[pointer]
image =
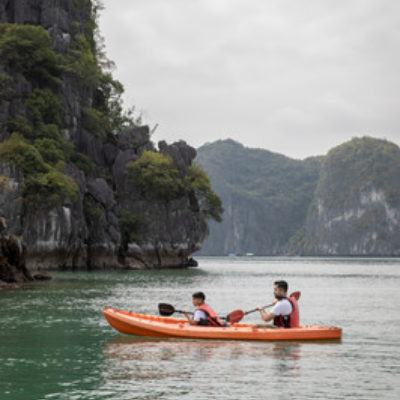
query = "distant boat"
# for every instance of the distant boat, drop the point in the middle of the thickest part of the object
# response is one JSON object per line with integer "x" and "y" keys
{"x": 249, "y": 254}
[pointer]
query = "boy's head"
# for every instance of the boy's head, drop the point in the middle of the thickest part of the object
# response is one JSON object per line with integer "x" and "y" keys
{"x": 198, "y": 298}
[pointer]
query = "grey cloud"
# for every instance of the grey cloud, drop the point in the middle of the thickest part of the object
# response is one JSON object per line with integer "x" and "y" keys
{"x": 293, "y": 76}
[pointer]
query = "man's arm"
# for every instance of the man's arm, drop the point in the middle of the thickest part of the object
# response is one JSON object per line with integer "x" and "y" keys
{"x": 266, "y": 316}
{"x": 280, "y": 308}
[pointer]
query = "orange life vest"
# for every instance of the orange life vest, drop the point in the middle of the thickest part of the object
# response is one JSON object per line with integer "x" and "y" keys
{"x": 293, "y": 319}
{"x": 212, "y": 317}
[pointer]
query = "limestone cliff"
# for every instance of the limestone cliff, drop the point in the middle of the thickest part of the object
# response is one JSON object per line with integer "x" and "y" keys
{"x": 265, "y": 195}
{"x": 346, "y": 203}
{"x": 356, "y": 206}
{"x": 66, "y": 147}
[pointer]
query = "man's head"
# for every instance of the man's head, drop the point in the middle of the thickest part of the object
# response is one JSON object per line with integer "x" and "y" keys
{"x": 198, "y": 298}
{"x": 280, "y": 289}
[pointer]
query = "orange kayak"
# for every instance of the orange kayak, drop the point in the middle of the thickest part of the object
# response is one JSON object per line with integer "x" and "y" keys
{"x": 132, "y": 323}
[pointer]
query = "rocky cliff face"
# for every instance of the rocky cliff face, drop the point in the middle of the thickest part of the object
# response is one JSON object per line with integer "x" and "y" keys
{"x": 78, "y": 209}
{"x": 356, "y": 206}
{"x": 346, "y": 203}
{"x": 265, "y": 196}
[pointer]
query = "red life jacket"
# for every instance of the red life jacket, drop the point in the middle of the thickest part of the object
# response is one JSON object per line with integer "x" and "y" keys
{"x": 293, "y": 319}
{"x": 212, "y": 317}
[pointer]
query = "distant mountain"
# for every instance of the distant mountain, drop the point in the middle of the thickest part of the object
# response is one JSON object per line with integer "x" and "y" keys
{"x": 265, "y": 195}
{"x": 344, "y": 203}
{"x": 356, "y": 205}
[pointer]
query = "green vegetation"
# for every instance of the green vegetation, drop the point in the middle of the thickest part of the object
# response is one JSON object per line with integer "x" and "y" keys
{"x": 53, "y": 151}
{"x": 92, "y": 210}
{"x": 86, "y": 59}
{"x": 45, "y": 108}
{"x": 43, "y": 184}
{"x": 21, "y": 125}
{"x": 159, "y": 179}
{"x": 197, "y": 181}
{"x": 38, "y": 145}
{"x": 357, "y": 166}
{"x": 4, "y": 183}
{"x": 82, "y": 62}
{"x": 266, "y": 196}
{"x": 130, "y": 226}
{"x": 156, "y": 175}
{"x": 49, "y": 188}
{"x": 82, "y": 161}
{"x": 272, "y": 200}
{"x": 6, "y": 88}
{"x": 94, "y": 121}
{"x": 25, "y": 156}
{"x": 28, "y": 49}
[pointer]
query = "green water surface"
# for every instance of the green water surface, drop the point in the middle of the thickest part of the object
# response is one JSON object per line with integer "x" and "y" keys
{"x": 56, "y": 344}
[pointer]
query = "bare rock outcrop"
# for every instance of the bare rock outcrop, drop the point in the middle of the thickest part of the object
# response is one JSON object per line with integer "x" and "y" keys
{"x": 12, "y": 257}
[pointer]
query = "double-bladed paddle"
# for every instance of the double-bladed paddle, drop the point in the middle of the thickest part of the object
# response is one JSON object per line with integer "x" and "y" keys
{"x": 167, "y": 309}
{"x": 237, "y": 315}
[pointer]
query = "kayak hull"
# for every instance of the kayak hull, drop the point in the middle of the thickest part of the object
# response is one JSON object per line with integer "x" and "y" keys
{"x": 131, "y": 323}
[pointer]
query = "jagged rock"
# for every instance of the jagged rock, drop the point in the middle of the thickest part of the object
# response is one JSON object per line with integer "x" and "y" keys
{"x": 20, "y": 11}
{"x": 101, "y": 192}
{"x": 137, "y": 139}
{"x": 192, "y": 262}
{"x": 55, "y": 17}
{"x": 12, "y": 257}
{"x": 180, "y": 152}
{"x": 119, "y": 173}
{"x": 169, "y": 230}
{"x": 43, "y": 276}
{"x": 91, "y": 146}
{"x": 110, "y": 153}
{"x": 104, "y": 236}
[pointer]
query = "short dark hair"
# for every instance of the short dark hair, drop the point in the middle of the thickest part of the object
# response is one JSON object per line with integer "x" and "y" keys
{"x": 199, "y": 295}
{"x": 282, "y": 285}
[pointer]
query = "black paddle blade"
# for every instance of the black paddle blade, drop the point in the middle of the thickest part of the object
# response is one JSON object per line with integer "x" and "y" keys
{"x": 165, "y": 309}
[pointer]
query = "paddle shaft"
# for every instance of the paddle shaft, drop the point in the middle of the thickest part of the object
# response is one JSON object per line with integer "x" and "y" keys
{"x": 184, "y": 312}
{"x": 256, "y": 309}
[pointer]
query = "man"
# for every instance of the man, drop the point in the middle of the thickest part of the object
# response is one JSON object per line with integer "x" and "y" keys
{"x": 204, "y": 314}
{"x": 285, "y": 312}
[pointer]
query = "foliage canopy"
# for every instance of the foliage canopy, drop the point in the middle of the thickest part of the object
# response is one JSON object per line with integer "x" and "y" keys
{"x": 28, "y": 49}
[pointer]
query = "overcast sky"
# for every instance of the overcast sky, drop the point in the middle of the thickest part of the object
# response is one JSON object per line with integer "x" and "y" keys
{"x": 292, "y": 76}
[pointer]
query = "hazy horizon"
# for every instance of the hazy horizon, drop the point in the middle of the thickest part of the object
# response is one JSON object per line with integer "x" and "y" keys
{"x": 294, "y": 77}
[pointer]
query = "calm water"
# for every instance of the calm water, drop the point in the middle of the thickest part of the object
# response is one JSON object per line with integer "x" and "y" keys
{"x": 55, "y": 343}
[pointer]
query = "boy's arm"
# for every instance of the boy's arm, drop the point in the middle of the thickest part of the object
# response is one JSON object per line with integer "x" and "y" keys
{"x": 191, "y": 321}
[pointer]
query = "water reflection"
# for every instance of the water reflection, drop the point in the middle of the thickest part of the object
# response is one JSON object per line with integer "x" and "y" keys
{"x": 143, "y": 358}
